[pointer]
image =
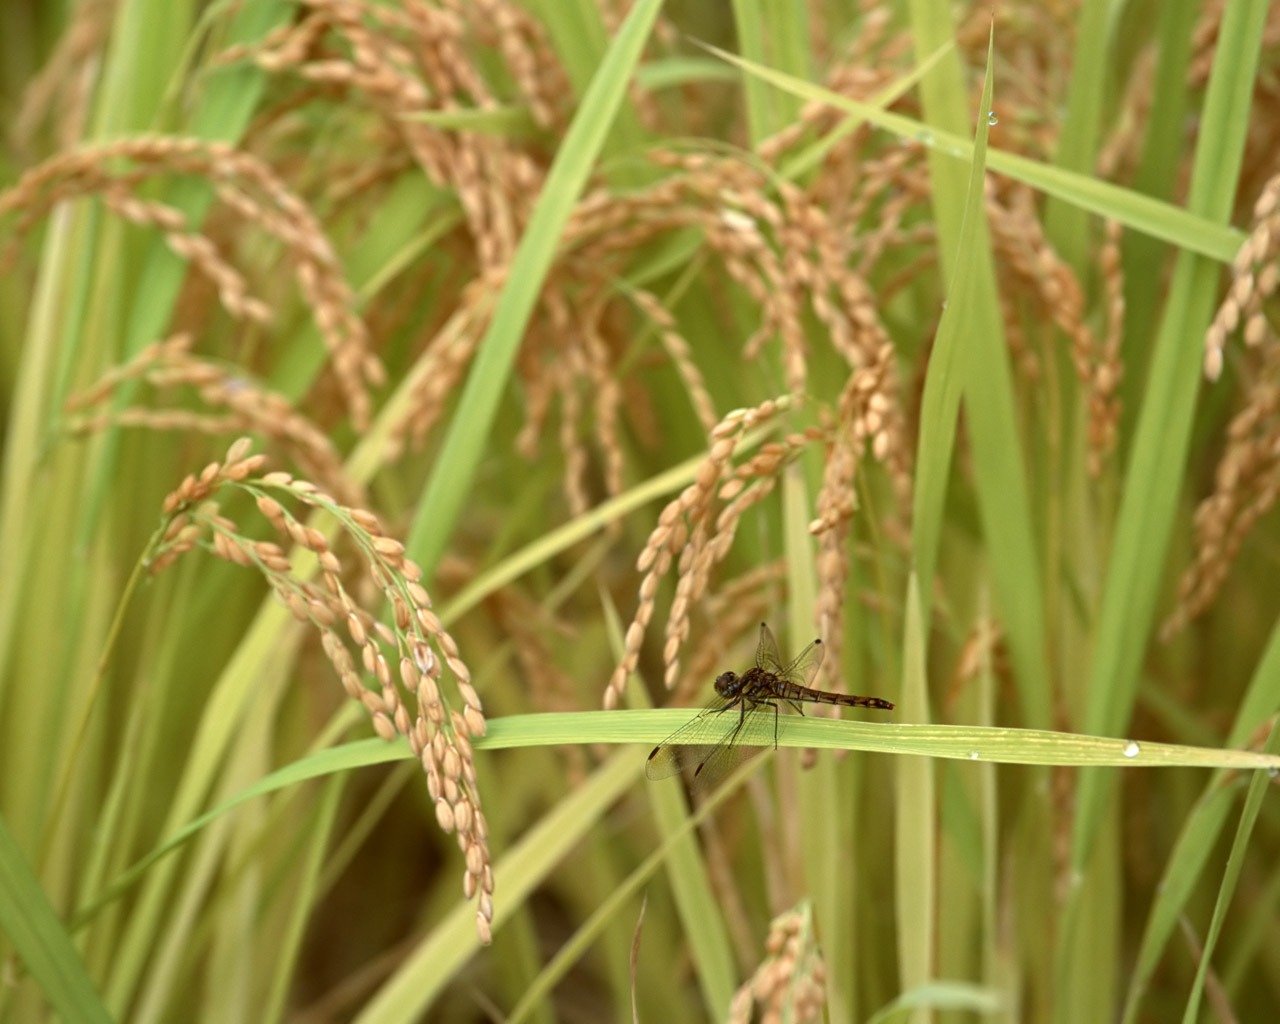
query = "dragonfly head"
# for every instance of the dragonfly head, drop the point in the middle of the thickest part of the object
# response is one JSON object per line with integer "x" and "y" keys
{"x": 727, "y": 684}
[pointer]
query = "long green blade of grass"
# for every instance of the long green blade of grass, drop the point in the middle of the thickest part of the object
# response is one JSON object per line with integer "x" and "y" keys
{"x": 916, "y": 820}
{"x": 41, "y": 941}
{"x": 1066, "y": 223}
{"x": 772, "y": 32}
{"x": 982, "y": 361}
{"x": 943, "y": 386}
{"x": 1185, "y": 228}
{"x": 962, "y": 742}
{"x": 989, "y": 745}
{"x": 1161, "y": 150}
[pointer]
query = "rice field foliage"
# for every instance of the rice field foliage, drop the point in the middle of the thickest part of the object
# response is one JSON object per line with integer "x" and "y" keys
{"x": 401, "y": 401}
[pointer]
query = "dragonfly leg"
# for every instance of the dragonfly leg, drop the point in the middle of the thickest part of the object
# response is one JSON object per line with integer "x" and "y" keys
{"x": 760, "y": 702}
{"x": 773, "y": 704}
{"x": 732, "y": 738}
{"x": 742, "y": 720}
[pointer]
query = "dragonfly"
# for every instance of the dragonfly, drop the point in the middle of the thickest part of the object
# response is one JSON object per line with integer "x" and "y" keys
{"x": 743, "y": 716}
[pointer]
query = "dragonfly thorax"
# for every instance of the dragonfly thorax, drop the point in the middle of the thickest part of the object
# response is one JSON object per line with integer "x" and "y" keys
{"x": 729, "y": 684}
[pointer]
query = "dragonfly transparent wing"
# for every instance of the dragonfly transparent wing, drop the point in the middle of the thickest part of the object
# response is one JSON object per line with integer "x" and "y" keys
{"x": 805, "y": 668}
{"x": 767, "y": 656}
{"x": 714, "y": 743}
{"x": 802, "y": 671}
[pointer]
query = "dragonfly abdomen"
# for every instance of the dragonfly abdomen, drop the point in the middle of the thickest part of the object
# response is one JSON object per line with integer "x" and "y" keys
{"x": 795, "y": 692}
{"x": 851, "y": 700}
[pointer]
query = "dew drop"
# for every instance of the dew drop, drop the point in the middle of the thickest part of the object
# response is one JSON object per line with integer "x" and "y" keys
{"x": 925, "y": 136}
{"x": 1273, "y": 772}
{"x": 1131, "y": 749}
{"x": 973, "y": 755}
{"x": 992, "y": 119}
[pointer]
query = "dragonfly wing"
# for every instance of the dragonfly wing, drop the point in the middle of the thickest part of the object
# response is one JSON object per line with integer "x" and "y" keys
{"x": 805, "y": 668}
{"x": 714, "y": 743}
{"x": 754, "y": 732}
{"x": 767, "y": 656}
{"x": 705, "y": 731}
{"x": 667, "y": 760}
{"x": 718, "y": 762}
